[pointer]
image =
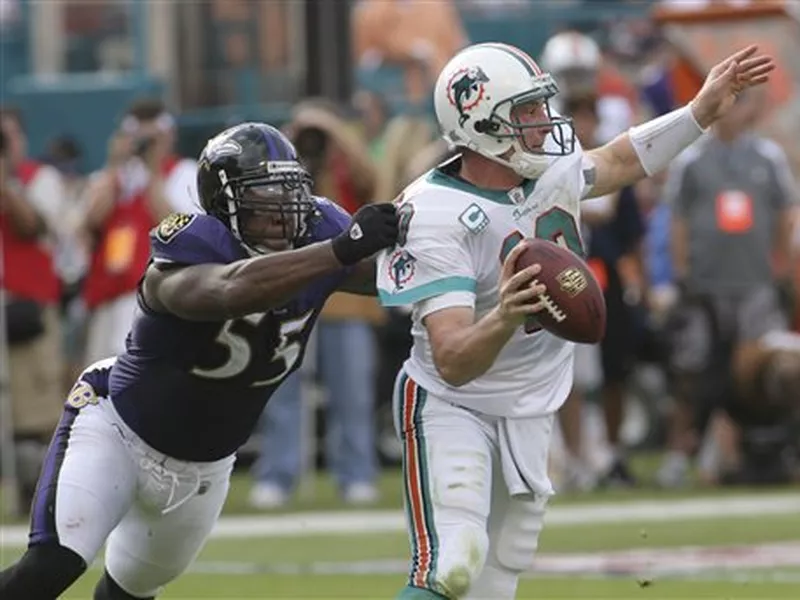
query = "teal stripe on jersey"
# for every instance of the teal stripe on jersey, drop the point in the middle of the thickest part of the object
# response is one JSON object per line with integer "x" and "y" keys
{"x": 428, "y": 290}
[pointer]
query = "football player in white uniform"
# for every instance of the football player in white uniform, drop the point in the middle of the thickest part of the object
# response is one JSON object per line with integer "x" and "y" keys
{"x": 574, "y": 60}
{"x": 474, "y": 403}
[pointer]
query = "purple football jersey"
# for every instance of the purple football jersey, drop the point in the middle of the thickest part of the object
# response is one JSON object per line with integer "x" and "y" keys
{"x": 195, "y": 390}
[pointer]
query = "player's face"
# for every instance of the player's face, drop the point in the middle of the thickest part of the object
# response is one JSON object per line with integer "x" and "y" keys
{"x": 534, "y": 118}
{"x": 270, "y": 216}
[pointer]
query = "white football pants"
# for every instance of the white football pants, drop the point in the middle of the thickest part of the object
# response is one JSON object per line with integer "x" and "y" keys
{"x": 470, "y": 536}
{"x": 101, "y": 482}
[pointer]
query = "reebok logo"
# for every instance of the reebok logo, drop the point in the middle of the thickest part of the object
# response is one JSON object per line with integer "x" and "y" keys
{"x": 355, "y": 232}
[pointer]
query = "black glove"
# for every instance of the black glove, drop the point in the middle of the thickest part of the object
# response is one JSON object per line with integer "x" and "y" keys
{"x": 374, "y": 227}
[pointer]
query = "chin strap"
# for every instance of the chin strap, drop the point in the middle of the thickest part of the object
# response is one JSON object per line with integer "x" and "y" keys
{"x": 529, "y": 166}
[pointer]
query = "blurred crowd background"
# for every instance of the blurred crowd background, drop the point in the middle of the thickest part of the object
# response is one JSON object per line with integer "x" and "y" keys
{"x": 106, "y": 103}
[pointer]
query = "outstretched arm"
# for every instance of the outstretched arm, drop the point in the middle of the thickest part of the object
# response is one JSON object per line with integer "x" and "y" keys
{"x": 648, "y": 148}
{"x": 215, "y": 292}
{"x": 212, "y": 292}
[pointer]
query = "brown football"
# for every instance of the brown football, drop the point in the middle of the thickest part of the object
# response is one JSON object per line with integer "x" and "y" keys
{"x": 575, "y": 309}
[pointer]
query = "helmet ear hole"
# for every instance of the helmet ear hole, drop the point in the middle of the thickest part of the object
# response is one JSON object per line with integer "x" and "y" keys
{"x": 486, "y": 126}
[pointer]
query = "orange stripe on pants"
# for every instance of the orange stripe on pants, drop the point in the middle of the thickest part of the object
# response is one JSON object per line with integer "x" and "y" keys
{"x": 414, "y": 486}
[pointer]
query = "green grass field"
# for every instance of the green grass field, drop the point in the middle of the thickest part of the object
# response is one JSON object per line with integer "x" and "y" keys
{"x": 576, "y": 555}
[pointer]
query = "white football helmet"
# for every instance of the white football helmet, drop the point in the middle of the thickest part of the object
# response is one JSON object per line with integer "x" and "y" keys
{"x": 474, "y": 98}
{"x": 570, "y": 50}
{"x": 574, "y": 60}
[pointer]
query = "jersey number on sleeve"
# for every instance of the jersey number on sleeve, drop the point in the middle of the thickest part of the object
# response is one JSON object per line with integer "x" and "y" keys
{"x": 240, "y": 353}
{"x": 556, "y": 225}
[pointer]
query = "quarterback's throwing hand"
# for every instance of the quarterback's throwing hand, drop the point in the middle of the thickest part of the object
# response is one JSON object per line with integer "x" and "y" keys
{"x": 744, "y": 69}
{"x": 519, "y": 292}
{"x": 374, "y": 227}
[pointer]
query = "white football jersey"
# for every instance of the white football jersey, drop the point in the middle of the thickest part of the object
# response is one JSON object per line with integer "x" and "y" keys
{"x": 454, "y": 237}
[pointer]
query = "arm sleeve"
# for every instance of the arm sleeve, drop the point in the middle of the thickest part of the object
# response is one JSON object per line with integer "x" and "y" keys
{"x": 434, "y": 261}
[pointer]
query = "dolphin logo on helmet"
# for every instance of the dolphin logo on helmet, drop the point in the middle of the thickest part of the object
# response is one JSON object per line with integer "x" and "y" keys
{"x": 477, "y": 97}
{"x": 466, "y": 90}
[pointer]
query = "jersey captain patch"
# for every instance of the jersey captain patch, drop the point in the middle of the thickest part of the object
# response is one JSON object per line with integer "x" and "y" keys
{"x": 172, "y": 225}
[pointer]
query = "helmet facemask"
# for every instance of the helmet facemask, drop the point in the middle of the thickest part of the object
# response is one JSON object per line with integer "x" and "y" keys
{"x": 506, "y": 122}
{"x": 558, "y": 127}
{"x": 268, "y": 211}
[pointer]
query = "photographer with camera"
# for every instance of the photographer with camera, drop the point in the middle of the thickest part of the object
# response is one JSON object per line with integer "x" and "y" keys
{"x": 31, "y": 198}
{"x": 143, "y": 181}
{"x": 342, "y": 170}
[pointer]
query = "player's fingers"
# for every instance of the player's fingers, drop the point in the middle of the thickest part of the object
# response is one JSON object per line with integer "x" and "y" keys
{"x": 743, "y": 54}
{"x": 525, "y": 295}
{"x": 752, "y": 63}
{"x": 533, "y": 308}
{"x": 525, "y": 276}
{"x": 510, "y": 262}
{"x": 723, "y": 67}
{"x": 729, "y": 73}
{"x": 757, "y": 81}
{"x": 758, "y": 72}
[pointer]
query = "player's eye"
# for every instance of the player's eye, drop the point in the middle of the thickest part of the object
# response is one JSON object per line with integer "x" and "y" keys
{"x": 535, "y": 108}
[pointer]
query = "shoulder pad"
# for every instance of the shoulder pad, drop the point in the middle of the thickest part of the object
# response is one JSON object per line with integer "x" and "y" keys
{"x": 194, "y": 239}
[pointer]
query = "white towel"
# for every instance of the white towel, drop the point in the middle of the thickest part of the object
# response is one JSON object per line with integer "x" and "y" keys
{"x": 524, "y": 446}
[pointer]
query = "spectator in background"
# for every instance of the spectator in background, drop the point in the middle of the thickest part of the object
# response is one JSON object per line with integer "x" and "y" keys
{"x": 393, "y": 143}
{"x": 612, "y": 232}
{"x": 143, "y": 181}
{"x": 394, "y": 146}
{"x": 72, "y": 250}
{"x": 731, "y": 196}
{"x": 763, "y": 446}
{"x": 31, "y": 205}
{"x": 615, "y": 254}
{"x": 575, "y": 61}
{"x": 65, "y": 155}
{"x": 655, "y": 77}
{"x": 662, "y": 292}
{"x": 418, "y": 35}
{"x": 343, "y": 172}
{"x": 373, "y": 114}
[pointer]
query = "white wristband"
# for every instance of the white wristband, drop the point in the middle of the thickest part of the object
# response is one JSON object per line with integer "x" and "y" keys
{"x": 660, "y": 140}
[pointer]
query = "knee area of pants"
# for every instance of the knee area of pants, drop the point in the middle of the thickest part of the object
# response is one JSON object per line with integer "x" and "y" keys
{"x": 108, "y": 589}
{"x": 130, "y": 581}
{"x": 518, "y": 539}
{"x": 462, "y": 558}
